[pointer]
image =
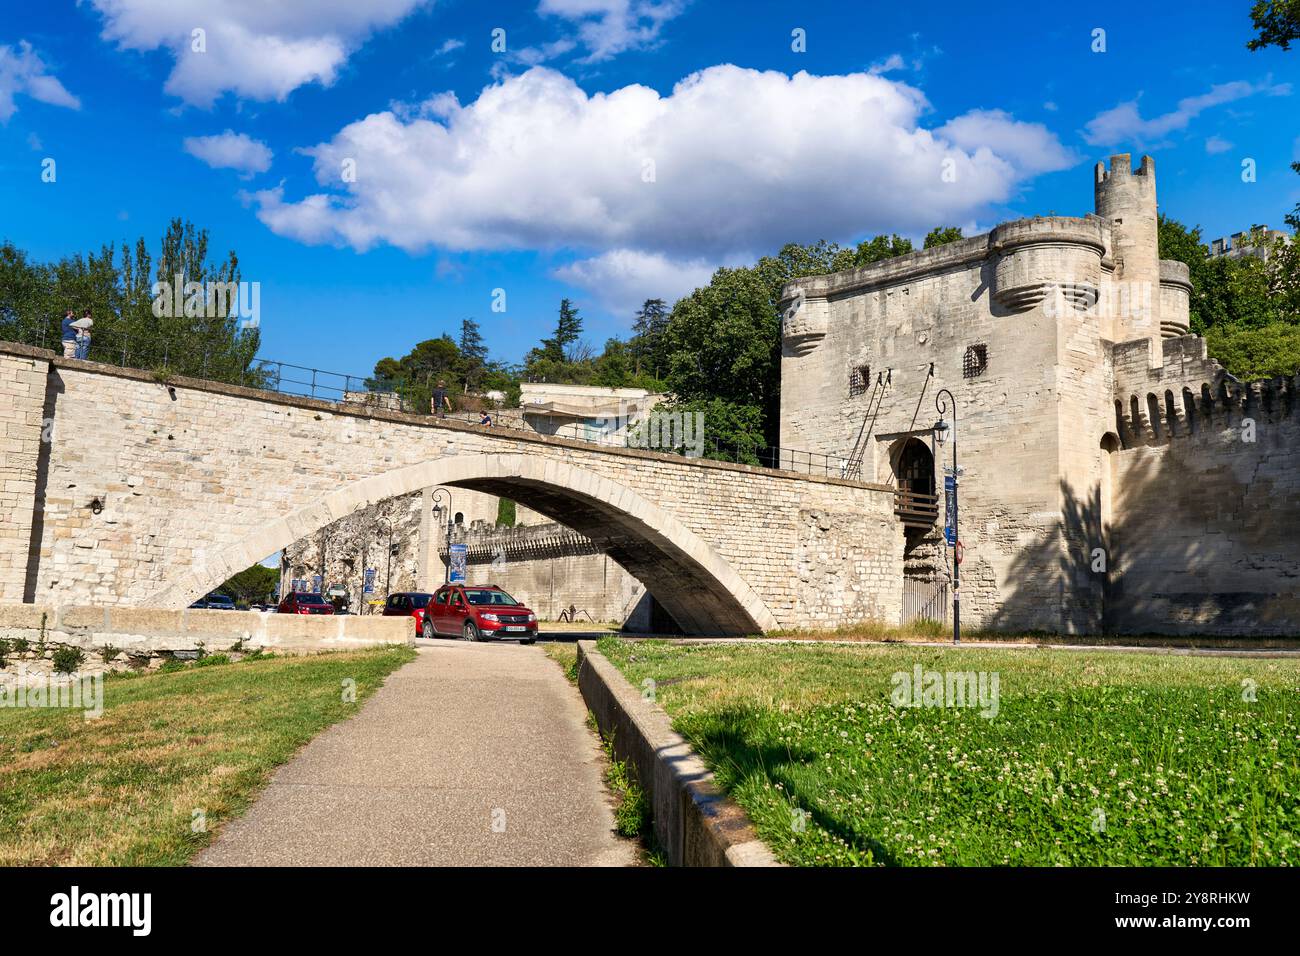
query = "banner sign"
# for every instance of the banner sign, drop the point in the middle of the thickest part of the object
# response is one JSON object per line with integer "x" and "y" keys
{"x": 459, "y": 561}
{"x": 950, "y": 526}
{"x": 369, "y": 586}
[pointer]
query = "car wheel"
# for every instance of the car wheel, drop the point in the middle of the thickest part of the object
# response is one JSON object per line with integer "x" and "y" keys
{"x": 527, "y": 640}
{"x": 471, "y": 632}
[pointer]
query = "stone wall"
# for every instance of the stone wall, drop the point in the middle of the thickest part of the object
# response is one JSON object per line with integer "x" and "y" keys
{"x": 151, "y": 632}
{"x": 22, "y": 414}
{"x": 199, "y": 480}
{"x": 1205, "y": 511}
{"x": 912, "y": 323}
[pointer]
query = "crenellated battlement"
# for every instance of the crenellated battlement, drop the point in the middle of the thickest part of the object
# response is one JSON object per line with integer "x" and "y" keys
{"x": 1121, "y": 168}
{"x": 1189, "y": 393}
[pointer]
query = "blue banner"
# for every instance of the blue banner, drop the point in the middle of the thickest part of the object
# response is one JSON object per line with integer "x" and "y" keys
{"x": 369, "y": 586}
{"x": 459, "y": 561}
{"x": 950, "y": 494}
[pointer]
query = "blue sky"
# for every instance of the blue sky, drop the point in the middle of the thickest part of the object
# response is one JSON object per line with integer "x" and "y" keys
{"x": 615, "y": 149}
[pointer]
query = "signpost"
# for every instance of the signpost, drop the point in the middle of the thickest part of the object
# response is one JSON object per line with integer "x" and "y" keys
{"x": 459, "y": 561}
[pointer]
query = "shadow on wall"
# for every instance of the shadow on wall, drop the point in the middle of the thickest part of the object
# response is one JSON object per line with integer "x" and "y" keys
{"x": 1198, "y": 537}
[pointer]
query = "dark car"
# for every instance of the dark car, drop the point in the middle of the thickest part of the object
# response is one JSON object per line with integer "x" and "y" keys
{"x": 408, "y": 602}
{"x": 215, "y": 602}
{"x": 476, "y": 612}
{"x": 305, "y": 603}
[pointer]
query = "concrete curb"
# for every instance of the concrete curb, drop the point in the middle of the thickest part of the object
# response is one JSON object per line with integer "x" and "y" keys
{"x": 696, "y": 824}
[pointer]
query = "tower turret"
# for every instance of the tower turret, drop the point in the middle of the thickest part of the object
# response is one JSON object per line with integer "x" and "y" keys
{"x": 1127, "y": 198}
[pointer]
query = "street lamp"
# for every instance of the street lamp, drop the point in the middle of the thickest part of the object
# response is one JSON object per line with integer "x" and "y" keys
{"x": 942, "y": 431}
{"x": 437, "y": 507}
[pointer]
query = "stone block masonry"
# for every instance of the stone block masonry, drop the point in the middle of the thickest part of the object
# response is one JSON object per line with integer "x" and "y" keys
{"x": 155, "y": 493}
{"x": 23, "y": 379}
{"x": 1111, "y": 480}
{"x": 148, "y": 632}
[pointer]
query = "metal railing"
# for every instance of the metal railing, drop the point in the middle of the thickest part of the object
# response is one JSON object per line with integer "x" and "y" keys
{"x": 925, "y": 600}
{"x": 199, "y": 360}
{"x": 916, "y": 510}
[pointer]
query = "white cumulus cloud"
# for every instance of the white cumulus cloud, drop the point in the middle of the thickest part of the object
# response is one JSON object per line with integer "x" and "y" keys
{"x": 23, "y": 71}
{"x": 230, "y": 150}
{"x": 732, "y": 162}
{"x": 1028, "y": 148}
{"x": 622, "y": 279}
{"x": 608, "y": 27}
{"x": 259, "y": 49}
{"x": 1124, "y": 123}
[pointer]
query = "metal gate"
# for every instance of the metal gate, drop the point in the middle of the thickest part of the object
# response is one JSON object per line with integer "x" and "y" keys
{"x": 925, "y": 599}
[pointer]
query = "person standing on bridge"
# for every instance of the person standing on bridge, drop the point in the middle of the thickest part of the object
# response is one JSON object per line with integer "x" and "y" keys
{"x": 69, "y": 335}
{"x": 82, "y": 325}
{"x": 441, "y": 403}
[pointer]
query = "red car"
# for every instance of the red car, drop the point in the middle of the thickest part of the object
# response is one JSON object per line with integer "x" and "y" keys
{"x": 302, "y": 603}
{"x": 408, "y": 602}
{"x": 477, "y": 612}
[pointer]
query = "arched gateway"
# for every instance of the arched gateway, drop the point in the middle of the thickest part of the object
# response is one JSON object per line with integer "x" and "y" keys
{"x": 688, "y": 577}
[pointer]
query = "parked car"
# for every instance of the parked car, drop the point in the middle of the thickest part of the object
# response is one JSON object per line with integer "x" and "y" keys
{"x": 305, "y": 603}
{"x": 408, "y": 602}
{"x": 476, "y": 612}
{"x": 215, "y": 602}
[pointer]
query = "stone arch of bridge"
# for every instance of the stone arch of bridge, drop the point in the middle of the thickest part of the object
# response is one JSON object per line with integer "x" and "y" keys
{"x": 687, "y": 576}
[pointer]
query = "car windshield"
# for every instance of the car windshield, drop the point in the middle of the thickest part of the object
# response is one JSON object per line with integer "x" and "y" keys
{"x": 420, "y": 600}
{"x": 484, "y": 596}
{"x": 311, "y": 599}
{"x": 220, "y": 599}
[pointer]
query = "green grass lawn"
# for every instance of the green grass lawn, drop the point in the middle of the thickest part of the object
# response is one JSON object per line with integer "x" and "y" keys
{"x": 123, "y": 789}
{"x": 1091, "y": 759}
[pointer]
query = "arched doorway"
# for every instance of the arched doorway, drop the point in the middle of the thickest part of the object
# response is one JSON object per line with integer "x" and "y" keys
{"x": 917, "y": 507}
{"x": 916, "y": 504}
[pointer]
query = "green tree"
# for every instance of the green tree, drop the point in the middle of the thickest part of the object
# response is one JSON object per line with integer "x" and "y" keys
{"x": 417, "y": 373}
{"x": 871, "y": 251}
{"x": 568, "y": 329}
{"x": 119, "y": 294}
{"x": 1293, "y": 217}
{"x": 614, "y": 368}
{"x": 1262, "y": 352}
{"x": 473, "y": 354}
{"x": 255, "y": 583}
{"x": 647, "y": 344}
{"x": 1277, "y": 23}
{"x": 941, "y": 236}
{"x": 506, "y": 513}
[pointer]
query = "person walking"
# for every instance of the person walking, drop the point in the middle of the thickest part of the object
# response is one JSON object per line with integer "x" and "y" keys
{"x": 82, "y": 325}
{"x": 69, "y": 335}
{"x": 440, "y": 402}
{"x": 486, "y": 419}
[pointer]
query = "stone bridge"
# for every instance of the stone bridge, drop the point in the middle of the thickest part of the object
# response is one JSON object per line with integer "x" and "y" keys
{"x": 119, "y": 489}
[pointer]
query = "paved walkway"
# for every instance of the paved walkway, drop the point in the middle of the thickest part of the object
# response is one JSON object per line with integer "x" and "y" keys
{"x": 471, "y": 755}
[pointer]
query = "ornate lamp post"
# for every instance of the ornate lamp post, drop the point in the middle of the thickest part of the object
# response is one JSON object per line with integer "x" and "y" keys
{"x": 437, "y": 507}
{"x": 941, "y": 434}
